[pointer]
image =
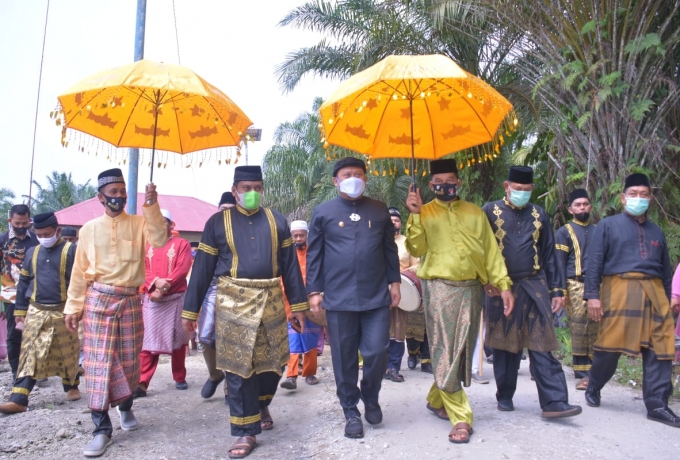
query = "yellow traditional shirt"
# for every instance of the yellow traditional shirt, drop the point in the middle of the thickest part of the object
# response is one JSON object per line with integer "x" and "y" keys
{"x": 406, "y": 260}
{"x": 111, "y": 251}
{"x": 457, "y": 242}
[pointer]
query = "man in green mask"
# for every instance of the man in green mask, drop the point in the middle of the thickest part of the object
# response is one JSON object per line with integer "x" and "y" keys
{"x": 248, "y": 247}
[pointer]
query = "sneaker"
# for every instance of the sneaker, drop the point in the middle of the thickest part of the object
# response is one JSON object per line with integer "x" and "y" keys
{"x": 412, "y": 361}
{"x": 97, "y": 446}
{"x": 210, "y": 386}
{"x": 181, "y": 385}
{"x": 354, "y": 428}
{"x": 128, "y": 422}
{"x": 664, "y": 415}
{"x": 289, "y": 384}
{"x": 73, "y": 394}
{"x": 479, "y": 379}
{"x": 426, "y": 367}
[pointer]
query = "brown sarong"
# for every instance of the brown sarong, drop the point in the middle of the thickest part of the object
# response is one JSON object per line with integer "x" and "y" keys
{"x": 583, "y": 329}
{"x": 636, "y": 315}
{"x": 397, "y": 324}
{"x": 251, "y": 332}
{"x": 452, "y": 311}
{"x": 415, "y": 325}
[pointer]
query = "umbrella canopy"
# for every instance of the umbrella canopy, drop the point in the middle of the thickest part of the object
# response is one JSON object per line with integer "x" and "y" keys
{"x": 413, "y": 107}
{"x": 153, "y": 105}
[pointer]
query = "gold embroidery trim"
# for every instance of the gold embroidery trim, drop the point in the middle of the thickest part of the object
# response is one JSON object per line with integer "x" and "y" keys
{"x": 288, "y": 242}
{"x": 266, "y": 397}
{"x": 190, "y": 315}
{"x": 500, "y": 233}
{"x": 171, "y": 256}
{"x": 275, "y": 241}
{"x": 582, "y": 224}
{"x": 302, "y": 306}
{"x": 562, "y": 247}
{"x": 34, "y": 263}
{"x": 21, "y": 391}
{"x": 24, "y": 272}
{"x": 228, "y": 231}
{"x": 536, "y": 235}
{"x": 577, "y": 250}
{"x": 62, "y": 270}
{"x": 244, "y": 420}
{"x": 207, "y": 249}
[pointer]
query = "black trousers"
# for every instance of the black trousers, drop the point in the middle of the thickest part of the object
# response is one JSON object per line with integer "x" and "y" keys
{"x": 351, "y": 332}
{"x": 656, "y": 376}
{"x": 416, "y": 347}
{"x": 102, "y": 421}
{"x": 246, "y": 398}
{"x": 546, "y": 370}
{"x": 581, "y": 366}
{"x": 396, "y": 354}
{"x": 23, "y": 386}
{"x": 13, "y": 340}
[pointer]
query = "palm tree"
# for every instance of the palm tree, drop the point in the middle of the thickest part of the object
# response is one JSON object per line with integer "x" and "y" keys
{"x": 61, "y": 193}
{"x": 6, "y": 197}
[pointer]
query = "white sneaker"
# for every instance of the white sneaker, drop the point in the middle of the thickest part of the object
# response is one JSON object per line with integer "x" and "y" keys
{"x": 128, "y": 422}
{"x": 97, "y": 446}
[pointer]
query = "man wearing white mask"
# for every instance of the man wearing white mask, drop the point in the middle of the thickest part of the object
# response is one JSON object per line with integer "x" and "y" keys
{"x": 526, "y": 241}
{"x": 353, "y": 260}
{"x": 628, "y": 287}
{"x": 248, "y": 247}
{"x": 47, "y": 347}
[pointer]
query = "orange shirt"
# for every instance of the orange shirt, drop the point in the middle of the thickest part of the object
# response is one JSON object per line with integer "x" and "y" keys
{"x": 302, "y": 261}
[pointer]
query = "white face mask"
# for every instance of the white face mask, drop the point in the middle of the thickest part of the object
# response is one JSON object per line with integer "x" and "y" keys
{"x": 353, "y": 187}
{"x": 49, "y": 242}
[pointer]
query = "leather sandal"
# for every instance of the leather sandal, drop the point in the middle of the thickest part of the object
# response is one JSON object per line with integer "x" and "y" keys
{"x": 266, "y": 421}
{"x": 245, "y": 443}
{"x": 460, "y": 429}
{"x": 440, "y": 413}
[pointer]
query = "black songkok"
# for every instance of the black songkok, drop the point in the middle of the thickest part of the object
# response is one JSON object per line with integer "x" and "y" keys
{"x": 44, "y": 220}
{"x": 521, "y": 175}
{"x": 194, "y": 244}
{"x": 443, "y": 167}
{"x": 637, "y": 179}
{"x": 110, "y": 176}
{"x": 348, "y": 162}
{"x": 69, "y": 231}
{"x": 578, "y": 193}
{"x": 227, "y": 198}
{"x": 248, "y": 173}
{"x": 394, "y": 212}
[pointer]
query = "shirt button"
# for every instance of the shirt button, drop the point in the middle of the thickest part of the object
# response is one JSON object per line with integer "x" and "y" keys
{"x": 252, "y": 237}
{"x": 250, "y": 223}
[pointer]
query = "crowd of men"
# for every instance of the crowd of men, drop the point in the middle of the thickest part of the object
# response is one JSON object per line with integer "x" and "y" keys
{"x": 263, "y": 294}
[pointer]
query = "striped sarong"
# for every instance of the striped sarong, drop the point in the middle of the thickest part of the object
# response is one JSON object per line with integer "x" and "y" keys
{"x": 452, "y": 311}
{"x": 206, "y": 319}
{"x": 163, "y": 331}
{"x": 250, "y": 326}
{"x": 583, "y": 329}
{"x": 113, "y": 333}
{"x": 636, "y": 315}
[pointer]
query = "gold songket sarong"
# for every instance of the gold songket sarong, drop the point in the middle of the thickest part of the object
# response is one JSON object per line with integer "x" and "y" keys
{"x": 637, "y": 315}
{"x": 415, "y": 325}
{"x": 251, "y": 333}
{"x": 48, "y": 349}
{"x": 583, "y": 329}
{"x": 452, "y": 311}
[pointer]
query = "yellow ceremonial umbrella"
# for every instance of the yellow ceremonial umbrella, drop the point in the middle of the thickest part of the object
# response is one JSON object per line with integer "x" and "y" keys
{"x": 155, "y": 106}
{"x": 414, "y": 107}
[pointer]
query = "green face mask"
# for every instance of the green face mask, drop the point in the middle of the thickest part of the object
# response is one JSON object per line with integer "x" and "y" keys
{"x": 250, "y": 200}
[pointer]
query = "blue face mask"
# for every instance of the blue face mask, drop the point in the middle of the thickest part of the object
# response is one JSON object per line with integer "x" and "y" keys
{"x": 519, "y": 198}
{"x": 637, "y": 206}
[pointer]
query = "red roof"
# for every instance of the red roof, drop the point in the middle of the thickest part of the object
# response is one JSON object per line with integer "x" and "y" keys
{"x": 190, "y": 214}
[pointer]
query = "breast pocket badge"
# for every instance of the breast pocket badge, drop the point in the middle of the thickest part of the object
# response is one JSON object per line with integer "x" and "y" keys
{"x": 354, "y": 217}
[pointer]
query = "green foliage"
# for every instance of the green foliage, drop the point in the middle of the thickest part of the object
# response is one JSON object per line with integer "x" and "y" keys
{"x": 6, "y": 197}
{"x": 629, "y": 371}
{"x": 61, "y": 193}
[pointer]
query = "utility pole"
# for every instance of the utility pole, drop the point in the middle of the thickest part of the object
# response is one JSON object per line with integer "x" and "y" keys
{"x": 133, "y": 157}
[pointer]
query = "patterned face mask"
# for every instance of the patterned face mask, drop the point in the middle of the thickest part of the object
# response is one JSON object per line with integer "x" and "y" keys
{"x": 115, "y": 204}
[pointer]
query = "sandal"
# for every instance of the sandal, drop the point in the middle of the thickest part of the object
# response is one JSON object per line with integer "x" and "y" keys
{"x": 441, "y": 412}
{"x": 311, "y": 380}
{"x": 582, "y": 384}
{"x": 463, "y": 431}
{"x": 244, "y": 443}
{"x": 266, "y": 421}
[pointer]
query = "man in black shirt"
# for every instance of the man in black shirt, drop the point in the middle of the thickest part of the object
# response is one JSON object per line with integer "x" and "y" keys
{"x": 628, "y": 287}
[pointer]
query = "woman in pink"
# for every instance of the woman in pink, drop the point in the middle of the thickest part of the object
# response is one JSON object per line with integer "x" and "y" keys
{"x": 675, "y": 302}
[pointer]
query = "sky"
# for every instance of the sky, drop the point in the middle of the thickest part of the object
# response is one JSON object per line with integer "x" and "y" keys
{"x": 234, "y": 45}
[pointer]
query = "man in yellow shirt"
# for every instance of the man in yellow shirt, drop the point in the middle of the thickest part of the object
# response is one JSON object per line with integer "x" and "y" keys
{"x": 461, "y": 257}
{"x": 104, "y": 293}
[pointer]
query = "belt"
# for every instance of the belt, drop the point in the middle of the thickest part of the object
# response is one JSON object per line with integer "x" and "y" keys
{"x": 48, "y": 306}
{"x": 580, "y": 279}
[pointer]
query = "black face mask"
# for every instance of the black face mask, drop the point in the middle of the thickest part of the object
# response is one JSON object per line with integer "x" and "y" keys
{"x": 445, "y": 192}
{"x": 582, "y": 216}
{"x": 116, "y": 204}
{"x": 19, "y": 231}
{"x": 300, "y": 245}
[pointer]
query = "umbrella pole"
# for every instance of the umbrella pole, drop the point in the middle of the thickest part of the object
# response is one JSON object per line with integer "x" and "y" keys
{"x": 155, "y": 126}
{"x": 413, "y": 154}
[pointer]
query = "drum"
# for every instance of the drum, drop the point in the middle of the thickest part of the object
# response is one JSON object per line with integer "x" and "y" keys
{"x": 411, "y": 291}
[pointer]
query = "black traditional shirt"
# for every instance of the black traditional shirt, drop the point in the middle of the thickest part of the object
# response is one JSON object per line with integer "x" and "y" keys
{"x": 12, "y": 253}
{"x": 45, "y": 275}
{"x": 572, "y": 241}
{"x": 526, "y": 241}
{"x": 245, "y": 244}
{"x": 620, "y": 245}
{"x": 352, "y": 256}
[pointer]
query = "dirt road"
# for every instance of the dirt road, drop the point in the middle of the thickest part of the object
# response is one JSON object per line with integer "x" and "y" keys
{"x": 309, "y": 424}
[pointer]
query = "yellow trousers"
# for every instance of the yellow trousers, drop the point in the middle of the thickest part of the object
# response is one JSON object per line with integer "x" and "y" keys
{"x": 456, "y": 404}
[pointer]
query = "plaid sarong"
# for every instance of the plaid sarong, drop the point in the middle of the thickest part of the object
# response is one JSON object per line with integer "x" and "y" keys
{"x": 583, "y": 329}
{"x": 163, "y": 331}
{"x": 452, "y": 310}
{"x": 113, "y": 332}
{"x": 250, "y": 326}
{"x": 206, "y": 319}
{"x": 636, "y": 315}
{"x": 308, "y": 340}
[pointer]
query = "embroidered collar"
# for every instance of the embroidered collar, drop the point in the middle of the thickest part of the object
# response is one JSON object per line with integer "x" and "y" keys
{"x": 512, "y": 206}
{"x": 582, "y": 224}
{"x": 11, "y": 234}
{"x": 246, "y": 212}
